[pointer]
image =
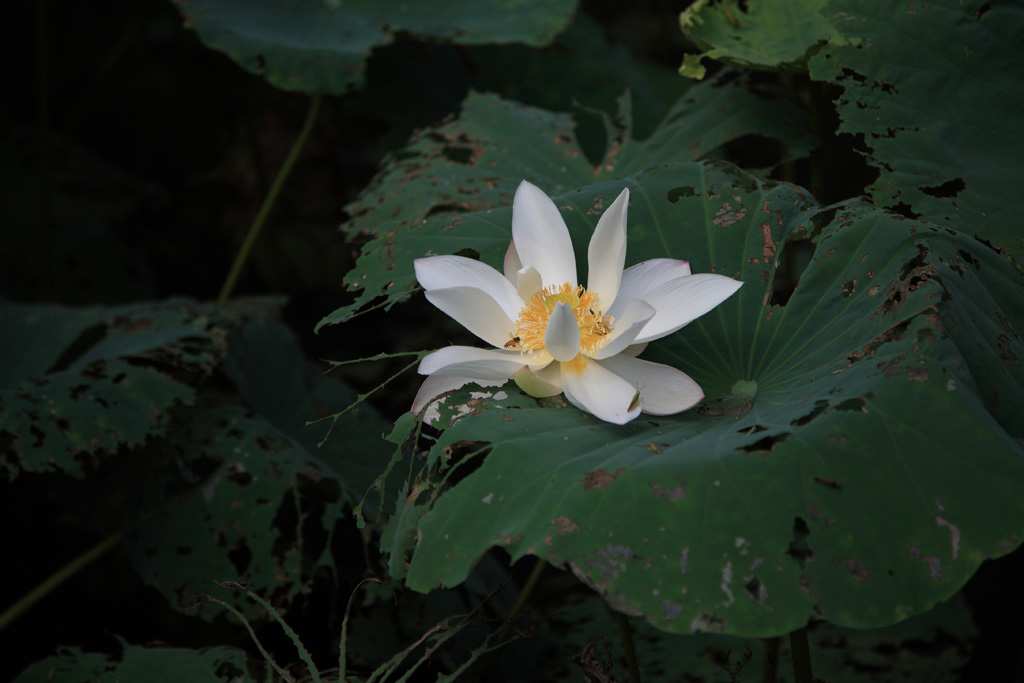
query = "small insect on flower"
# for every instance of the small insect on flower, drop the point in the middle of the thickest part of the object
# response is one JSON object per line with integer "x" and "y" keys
{"x": 635, "y": 402}
{"x": 603, "y": 325}
{"x": 512, "y": 343}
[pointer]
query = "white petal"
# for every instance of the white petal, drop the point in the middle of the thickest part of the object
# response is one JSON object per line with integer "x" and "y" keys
{"x": 562, "y": 336}
{"x": 541, "y": 237}
{"x": 644, "y": 277}
{"x": 627, "y": 327}
{"x": 541, "y": 383}
{"x": 475, "y": 310}
{"x": 442, "y": 272}
{"x": 607, "y": 252}
{"x": 664, "y": 390}
{"x": 634, "y": 350}
{"x": 512, "y": 263}
{"x": 601, "y": 392}
{"x": 528, "y": 282}
{"x": 436, "y": 385}
{"x": 468, "y": 361}
{"x": 684, "y": 299}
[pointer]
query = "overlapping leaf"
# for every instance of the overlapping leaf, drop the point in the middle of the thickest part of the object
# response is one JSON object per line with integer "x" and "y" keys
{"x": 936, "y": 89}
{"x": 80, "y": 382}
{"x": 136, "y": 663}
{"x": 765, "y": 34}
{"x": 322, "y": 45}
{"x": 476, "y": 162}
{"x": 249, "y": 497}
{"x": 844, "y": 465}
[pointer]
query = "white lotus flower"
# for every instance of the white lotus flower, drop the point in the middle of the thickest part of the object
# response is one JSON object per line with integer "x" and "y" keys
{"x": 552, "y": 335}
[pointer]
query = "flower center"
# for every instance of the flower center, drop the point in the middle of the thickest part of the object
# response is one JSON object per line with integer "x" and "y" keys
{"x": 533, "y": 318}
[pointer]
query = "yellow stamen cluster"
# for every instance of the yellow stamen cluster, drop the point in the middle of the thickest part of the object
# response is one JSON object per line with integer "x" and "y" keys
{"x": 533, "y": 319}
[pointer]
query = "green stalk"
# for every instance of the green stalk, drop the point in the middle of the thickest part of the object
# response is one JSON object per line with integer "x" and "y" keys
{"x": 524, "y": 597}
{"x": 269, "y": 201}
{"x": 770, "y": 668}
{"x": 57, "y": 578}
{"x": 626, "y": 634}
{"x": 801, "y": 656}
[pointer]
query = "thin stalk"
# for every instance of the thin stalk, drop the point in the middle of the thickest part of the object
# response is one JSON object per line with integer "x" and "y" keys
{"x": 626, "y": 634}
{"x": 801, "y": 656}
{"x": 524, "y": 597}
{"x": 269, "y": 201}
{"x": 57, "y": 578}
{"x": 770, "y": 669}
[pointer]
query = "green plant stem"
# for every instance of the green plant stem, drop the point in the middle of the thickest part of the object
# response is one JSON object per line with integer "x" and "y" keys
{"x": 801, "y": 656}
{"x": 626, "y": 635}
{"x": 770, "y": 668}
{"x": 524, "y": 597}
{"x": 57, "y": 578}
{"x": 269, "y": 201}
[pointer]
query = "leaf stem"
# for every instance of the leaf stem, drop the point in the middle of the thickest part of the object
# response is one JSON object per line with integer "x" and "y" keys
{"x": 770, "y": 668}
{"x": 524, "y": 597}
{"x": 801, "y": 656}
{"x": 269, "y": 201}
{"x": 626, "y": 634}
{"x": 57, "y": 578}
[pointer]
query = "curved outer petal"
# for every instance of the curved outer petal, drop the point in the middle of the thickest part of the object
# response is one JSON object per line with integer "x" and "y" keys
{"x": 627, "y": 327}
{"x": 601, "y": 392}
{"x": 468, "y": 361}
{"x": 683, "y": 300}
{"x": 562, "y": 336}
{"x": 442, "y": 272}
{"x": 528, "y": 282}
{"x": 645, "y": 277}
{"x": 512, "y": 263}
{"x": 475, "y": 310}
{"x": 541, "y": 238}
{"x": 607, "y": 252}
{"x": 540, "y": 383}
{"x": 664, "y": 390}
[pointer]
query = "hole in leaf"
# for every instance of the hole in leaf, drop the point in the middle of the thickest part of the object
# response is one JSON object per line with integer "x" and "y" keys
{"x": 240, "y": 557}
{"x": 800, "y": 547}
{"x": 468, "y": 253}
{"x": 458, "y": 155}
{"x": 793, "y": 261}
{"x": 752, "y": 429}
{"x": 439, "y": 210}
{"x": 819, "y": 408}
{"x": 857, "y": 405}
{"x": 950, "y": 188}
{"x": 765, "y": 445}
{"x": 677, "y": 193}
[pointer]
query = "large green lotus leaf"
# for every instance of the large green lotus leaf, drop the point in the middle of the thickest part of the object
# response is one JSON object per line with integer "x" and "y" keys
{"x": 259, "y": 511}
{"x": 937, "y": 91}
{"x": 153, "y": 664}
{"x": 266, "y": 364}
{"x": 81, "y": 382}
{"x": 476, "y": 163}
{"x": 760, "y": 34}
{"x": 322, "y": 45}
{"x": 862, "y": 480}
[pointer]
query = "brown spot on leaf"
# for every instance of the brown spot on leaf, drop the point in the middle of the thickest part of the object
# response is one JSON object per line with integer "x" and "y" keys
{"x": 674, "y": 493}
{"x": 599, "y": 480}
{"x": 770, "y": 246}
{"x": 564, "y": 525}
{"x": 856, "y": 567}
